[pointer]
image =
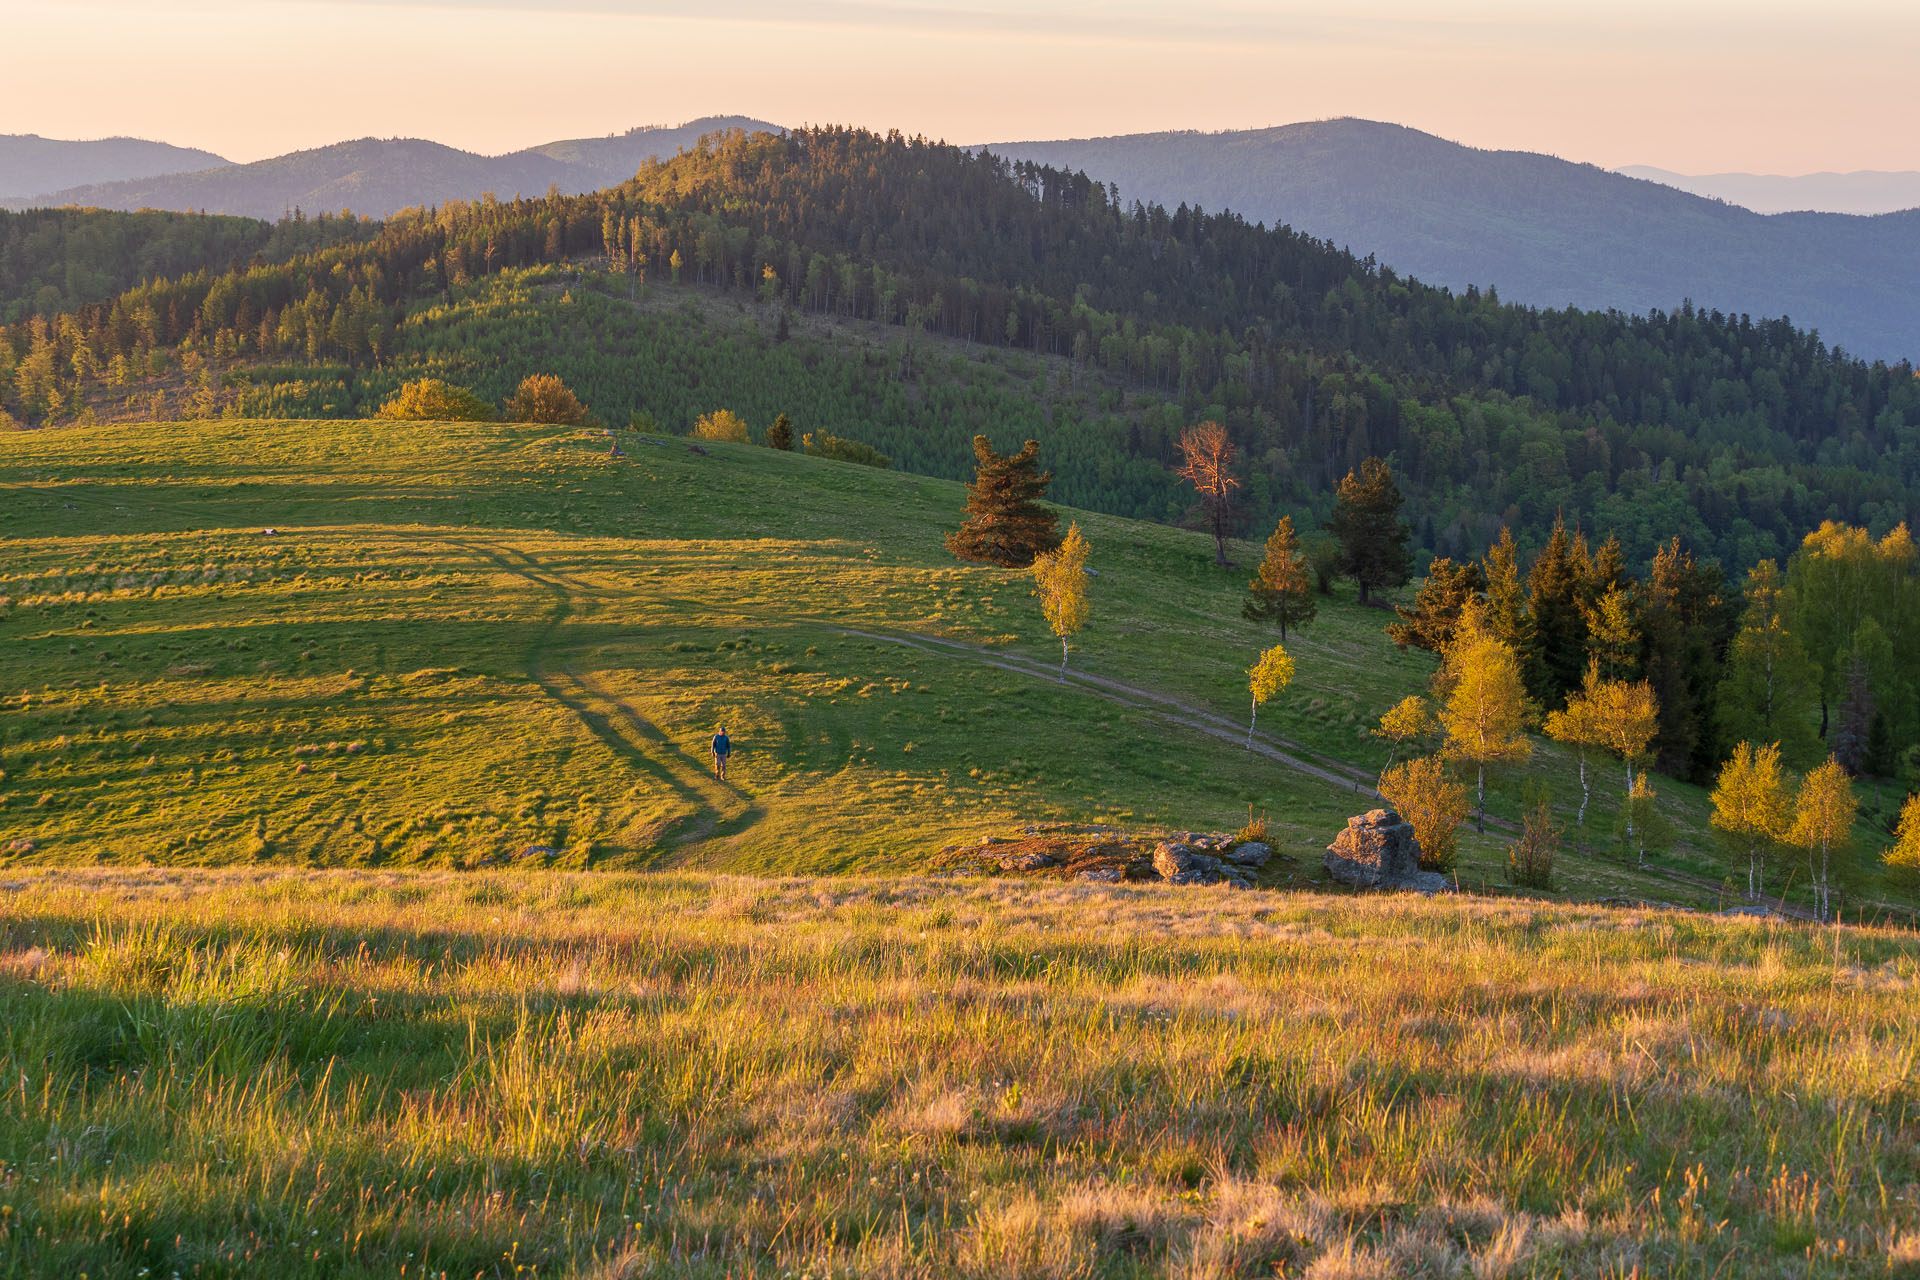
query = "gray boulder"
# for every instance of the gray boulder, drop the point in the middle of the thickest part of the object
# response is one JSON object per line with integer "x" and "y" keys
{"x": 1378, "y": 851}
{"x": 1102, "y": 875}
{"x": 1032, "y": 860}
{"x": 1250, "y": 854}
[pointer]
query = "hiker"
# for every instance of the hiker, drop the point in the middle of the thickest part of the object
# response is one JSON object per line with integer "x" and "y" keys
{"x": 722, "y": 748}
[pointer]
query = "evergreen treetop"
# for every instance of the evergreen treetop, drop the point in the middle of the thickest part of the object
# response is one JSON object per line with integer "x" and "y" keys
{"x": 1005, "y": 523}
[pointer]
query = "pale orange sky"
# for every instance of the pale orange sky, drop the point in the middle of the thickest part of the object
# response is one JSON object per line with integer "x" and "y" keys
{"x": 1689, "y": 85}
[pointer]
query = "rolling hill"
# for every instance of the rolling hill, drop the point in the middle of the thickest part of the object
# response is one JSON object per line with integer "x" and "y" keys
{"x": 398, "y": 644}
{"x": 30, "y": 164}
{"x": 1864, "y": 191}
{"x": 376, "y": 178}
{"x": 1541, "y": 230}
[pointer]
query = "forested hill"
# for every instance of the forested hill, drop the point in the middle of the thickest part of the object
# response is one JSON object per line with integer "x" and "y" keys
{"x": 1542, "y": 230}
{"x": 376, "y": 177}
{"x": 1737, "y": 435}
{"x": 30, "y": 164}
{"x": 54, "y": 260}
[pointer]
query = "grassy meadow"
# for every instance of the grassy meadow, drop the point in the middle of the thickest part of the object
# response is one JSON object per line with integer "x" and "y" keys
{"x": 387, "y": 644}
{"x": 298, "y": 1073}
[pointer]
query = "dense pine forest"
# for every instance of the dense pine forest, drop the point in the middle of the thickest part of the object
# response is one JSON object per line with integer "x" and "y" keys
{"x": 54, "y": 260}
{"x": 1739, "y": 435}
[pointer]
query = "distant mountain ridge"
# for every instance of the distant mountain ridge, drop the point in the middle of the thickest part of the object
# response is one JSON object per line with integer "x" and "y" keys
{"x": 1542, "y": 230}
{"x": 1864, "y": 191}
{"x": 377, "y": 177}
{"x": 30, "y": 163}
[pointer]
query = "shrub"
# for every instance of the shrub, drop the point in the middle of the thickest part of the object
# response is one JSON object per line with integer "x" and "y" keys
{"x": 542, "y": 397}
{"x": 1530, "y": 858}
{"x": 1256, "y": 831}
{"x": 431, "y": 400}
{"x": 822, "y": 445}
{"x": 1421, "y": 792}
{"x": 780, "y": 434}
{"x": 721, "y": 424}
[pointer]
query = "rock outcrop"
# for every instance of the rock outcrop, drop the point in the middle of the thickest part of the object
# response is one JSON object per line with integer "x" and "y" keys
{"x": 1378, "y": 851}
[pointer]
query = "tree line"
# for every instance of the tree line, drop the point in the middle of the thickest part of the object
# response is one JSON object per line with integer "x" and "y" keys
{"x": 1738, "y": 434}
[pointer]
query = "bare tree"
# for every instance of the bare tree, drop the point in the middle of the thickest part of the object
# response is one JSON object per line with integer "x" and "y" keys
{"x": 1207, "y": 458}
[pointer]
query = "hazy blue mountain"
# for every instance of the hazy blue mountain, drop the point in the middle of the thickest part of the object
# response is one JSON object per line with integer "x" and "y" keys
{"x": 1539, "y": 229}
{"x": 1865, "y": 191}
{"x": 375, "y": 177}
{"x": 30, "y": 164}
{"x": 616, "y": 157}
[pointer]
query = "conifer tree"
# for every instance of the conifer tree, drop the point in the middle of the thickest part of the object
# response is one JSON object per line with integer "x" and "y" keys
{"x": 1436, "y": 607}
{"x": 1005, "y": 523}
{"x": 1282, "y": 591}
{"x": 780, "y": 434}
{"x": 1770, "y": 686}
{"x": 1685, "y": 625}
{"x": 1750, "y": 808}
{"x": 1506, "y": 616}
{"x": 1556, "y": 585}
{"x": 1373, "y": 538}
{"x": 1613, "y": 638}
{"x": 1823, "y": 825}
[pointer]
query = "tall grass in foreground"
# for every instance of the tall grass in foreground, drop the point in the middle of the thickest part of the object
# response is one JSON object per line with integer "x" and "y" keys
{"x": 360, "y": 1074}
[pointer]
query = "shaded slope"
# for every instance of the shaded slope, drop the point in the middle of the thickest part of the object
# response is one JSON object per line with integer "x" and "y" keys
{"x": 1540, "y": 230}
{"x": 30, "y": 164}
{"x": 376, "y": 177}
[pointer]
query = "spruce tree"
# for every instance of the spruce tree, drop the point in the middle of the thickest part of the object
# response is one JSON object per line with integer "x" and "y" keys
{"x": 1770, "y": 687}
{"x": 1555, "y": 585}
{"x": 1005, "y": 524}
{"x": 1506, "y": 604}
{"x": 1373, "y": 538}
{"x": 780, "y": 434}
{"x": 1282, "y": 591}
{"x": 1436, "y": 606}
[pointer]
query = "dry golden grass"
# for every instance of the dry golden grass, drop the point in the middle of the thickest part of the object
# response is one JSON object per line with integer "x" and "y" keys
{"x": 351, "y": 1073}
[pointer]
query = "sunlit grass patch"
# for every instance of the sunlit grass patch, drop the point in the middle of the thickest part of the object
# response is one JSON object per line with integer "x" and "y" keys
{"x": 351, "y": 1072}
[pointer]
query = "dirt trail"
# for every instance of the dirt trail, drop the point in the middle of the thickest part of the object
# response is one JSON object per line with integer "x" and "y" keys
{"x": 1291, "y": 755}
{"x": 1167, "y": 708}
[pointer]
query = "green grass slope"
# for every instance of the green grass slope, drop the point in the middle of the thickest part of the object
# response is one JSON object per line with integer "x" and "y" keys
{"x": 359, "y": 1074}
{"x": 461, "y": 642}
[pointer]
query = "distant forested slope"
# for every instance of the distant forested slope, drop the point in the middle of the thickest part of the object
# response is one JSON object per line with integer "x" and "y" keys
{"x": 1542, "y": 230}
{"x": 30, "y": 164}
{"x": 377, "y": 177}
{"x": 54, "y": 260}
{"x": 1735, "y": 434}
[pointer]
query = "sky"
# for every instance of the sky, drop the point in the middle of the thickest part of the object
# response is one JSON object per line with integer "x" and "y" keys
{"x": 1773, "y": 86}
